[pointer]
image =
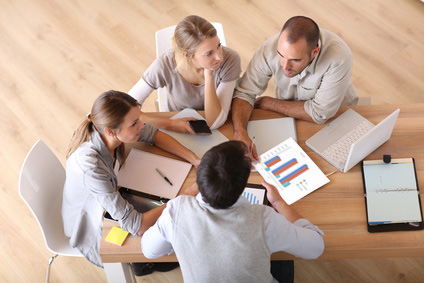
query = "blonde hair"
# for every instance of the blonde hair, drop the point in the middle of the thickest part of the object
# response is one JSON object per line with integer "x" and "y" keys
{"x": 188, "y": 35}
{"x": 108, "y": 110}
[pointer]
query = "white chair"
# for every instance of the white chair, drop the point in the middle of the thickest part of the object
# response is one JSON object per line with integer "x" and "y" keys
{"x": 41, "y": 187}
{"x": 163, "y": 44}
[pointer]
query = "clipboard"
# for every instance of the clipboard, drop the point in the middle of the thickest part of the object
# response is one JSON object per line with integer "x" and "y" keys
{"x": 392, "y": 196}
{"x": 141, "y": 202}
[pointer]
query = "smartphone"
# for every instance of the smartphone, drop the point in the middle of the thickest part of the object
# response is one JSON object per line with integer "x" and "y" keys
{"x": 200, "y": 127}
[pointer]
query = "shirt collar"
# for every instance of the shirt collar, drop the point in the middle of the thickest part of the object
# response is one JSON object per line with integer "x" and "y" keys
{"x": 98, "y": 143}
{"x": 311, "y": 67}
{"x": 241, "y": 201}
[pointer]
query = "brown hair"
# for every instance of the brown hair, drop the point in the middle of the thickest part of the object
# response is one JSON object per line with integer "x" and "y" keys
{"x": 188, "y": 35}
{"x": 108, "y": 110}
{"x": 302, "y": 27}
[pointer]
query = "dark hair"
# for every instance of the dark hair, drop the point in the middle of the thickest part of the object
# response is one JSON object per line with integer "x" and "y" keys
{"x": 222, "y": 174}
{"x": 302, "y": 27}
{"x": 108, "y": 110}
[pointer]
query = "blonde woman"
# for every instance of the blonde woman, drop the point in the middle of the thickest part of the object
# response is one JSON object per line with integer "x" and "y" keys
{"x": 198, "y": 72}
{"x": 95, "y": 152}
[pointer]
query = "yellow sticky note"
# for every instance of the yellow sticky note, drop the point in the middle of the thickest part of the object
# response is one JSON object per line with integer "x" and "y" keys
{"x": 116, "y": 236}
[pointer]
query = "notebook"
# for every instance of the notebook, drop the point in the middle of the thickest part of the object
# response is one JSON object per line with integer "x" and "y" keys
{"x": 139, "y": 173}
{"x": 197, "y": 144}
{"x": 268, "y": 133}
{"x": 290, "y": 170}
{"x": 391, "y": 195}
{"x": 350, "y": 138}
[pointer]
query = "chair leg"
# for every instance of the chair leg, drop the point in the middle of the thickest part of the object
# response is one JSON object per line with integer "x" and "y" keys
{"x": 48, "y": 267}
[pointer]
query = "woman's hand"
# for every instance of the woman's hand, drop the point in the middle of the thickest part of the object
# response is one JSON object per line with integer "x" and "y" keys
{"x": 181, "y": 125}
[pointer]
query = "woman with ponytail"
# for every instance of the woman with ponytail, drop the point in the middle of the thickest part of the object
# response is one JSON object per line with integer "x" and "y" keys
{"x": 93, "y": 158}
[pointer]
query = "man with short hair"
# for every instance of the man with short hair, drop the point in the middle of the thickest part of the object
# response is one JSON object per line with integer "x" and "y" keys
{"x": 218, "y": 236}
{"x": 311, "y": 68}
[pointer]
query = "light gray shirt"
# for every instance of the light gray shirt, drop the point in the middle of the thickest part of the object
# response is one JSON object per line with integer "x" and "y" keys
{"x": 324, "y": 84}
{"x": 182, "y": 94}
{"x": 228, "y": 245}
{"x": 90, "y": 190}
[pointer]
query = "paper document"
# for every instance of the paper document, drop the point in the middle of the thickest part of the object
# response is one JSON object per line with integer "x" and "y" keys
{"x": 139, "y": 173}
{"x": 197, "y": 144}
{"x": 290, "y": 170}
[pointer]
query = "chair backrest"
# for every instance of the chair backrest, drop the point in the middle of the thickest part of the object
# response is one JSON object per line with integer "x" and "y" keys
{"x": 41, "y": 187}
{"x": 163, "y": 44}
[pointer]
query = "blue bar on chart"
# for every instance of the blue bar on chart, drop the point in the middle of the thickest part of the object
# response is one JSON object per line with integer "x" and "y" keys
{"x": 284, "y": 167}
{"x": 251, "y": 198}
{"x": 285, "y": 181}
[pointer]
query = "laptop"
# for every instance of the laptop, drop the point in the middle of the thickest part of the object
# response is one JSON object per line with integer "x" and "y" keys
{"x": 350, "y": 138}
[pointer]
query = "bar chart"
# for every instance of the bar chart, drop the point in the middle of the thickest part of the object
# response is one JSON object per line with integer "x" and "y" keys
{"x": 290, "y": 169}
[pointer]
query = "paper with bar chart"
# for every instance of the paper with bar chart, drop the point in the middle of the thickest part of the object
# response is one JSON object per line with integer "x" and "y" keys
{"x": 291, "y": 171}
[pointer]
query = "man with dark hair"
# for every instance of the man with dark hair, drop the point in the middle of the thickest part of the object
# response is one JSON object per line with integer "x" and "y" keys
{"x": 218, "y": 236}
{"x": 311, "y": 68}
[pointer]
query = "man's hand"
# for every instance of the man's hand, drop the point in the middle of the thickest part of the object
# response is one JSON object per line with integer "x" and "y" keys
{"x": 263, "y": 102}
{"x": 278, "y": 203}
{"x": 244, "y": 137}
{"x": 272, "y": 194}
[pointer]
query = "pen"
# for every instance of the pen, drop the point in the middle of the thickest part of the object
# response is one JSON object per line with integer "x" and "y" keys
{"x": 163, "y": 176}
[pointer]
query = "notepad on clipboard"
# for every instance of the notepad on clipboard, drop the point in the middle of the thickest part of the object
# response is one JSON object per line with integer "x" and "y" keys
{"x": 139, "y": 173}
{"x": 392, "y": 196}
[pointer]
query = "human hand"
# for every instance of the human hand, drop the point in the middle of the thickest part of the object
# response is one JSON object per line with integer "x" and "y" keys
{"x": 181, "y": 125}
{"x": 262, "y": 102}
{"x": 193, "y": 190}
{"x": 243, "y": 137}
{"x": 196, "y": 162}
{"x": 273, "y": 195}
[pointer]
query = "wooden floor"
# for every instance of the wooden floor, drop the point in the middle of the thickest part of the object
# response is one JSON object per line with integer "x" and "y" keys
{"x": 57, "y": 56}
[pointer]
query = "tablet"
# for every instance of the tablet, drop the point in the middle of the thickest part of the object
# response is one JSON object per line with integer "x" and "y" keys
{"x": 392, "y": 196}
{"x": 142, "y": 202}
{"x": 255, "y": 194}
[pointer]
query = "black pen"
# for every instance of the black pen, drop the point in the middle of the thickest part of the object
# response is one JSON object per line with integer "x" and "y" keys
{"x": 163, "y": 176}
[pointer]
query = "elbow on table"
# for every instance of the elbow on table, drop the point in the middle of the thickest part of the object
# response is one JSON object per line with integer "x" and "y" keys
{"x": 148, "y": 252}
{"x": 316, "y": 250}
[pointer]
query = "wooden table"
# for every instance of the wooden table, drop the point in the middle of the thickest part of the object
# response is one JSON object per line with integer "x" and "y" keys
{"x": 338, "y": 208}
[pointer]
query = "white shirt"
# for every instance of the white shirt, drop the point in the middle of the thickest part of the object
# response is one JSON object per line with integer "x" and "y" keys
{"x": 300, "y": 238}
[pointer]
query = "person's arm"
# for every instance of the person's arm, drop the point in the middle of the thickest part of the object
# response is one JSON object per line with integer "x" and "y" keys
{"x": 279, "y": 204}
{"x": 295, "y": 109}
{"x": 287, "y": 231}
{"x": 253, "y": 83}
{"x": 156, "y": 241}
{"x": 212, "y": 104}
{"x": 98, "y": 182}
{"x": 168, "y": 143}
{"x": 176, "y": 125}
{"x": 149, "y": 218}
{"x": 241, "y": 111}
{"x": 225, "y": 92}
{"x": 140, "y": 91}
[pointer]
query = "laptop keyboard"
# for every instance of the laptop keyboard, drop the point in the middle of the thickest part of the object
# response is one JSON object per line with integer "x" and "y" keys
{"x": 339, "y": 151}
